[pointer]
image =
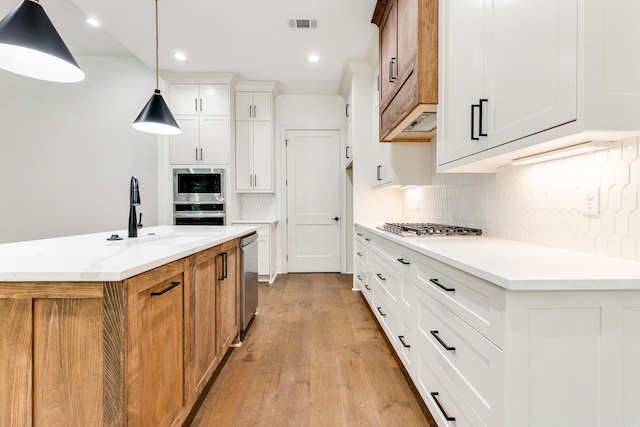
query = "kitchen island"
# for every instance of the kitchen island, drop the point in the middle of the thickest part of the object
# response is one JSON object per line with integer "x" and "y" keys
{"x": 115, "y": 332}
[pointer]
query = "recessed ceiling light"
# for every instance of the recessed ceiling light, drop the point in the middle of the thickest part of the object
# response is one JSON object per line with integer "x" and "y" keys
{"x": 180, "y": 56}
{"x": 93, "y": 22}
{"x": 314, "y": 58}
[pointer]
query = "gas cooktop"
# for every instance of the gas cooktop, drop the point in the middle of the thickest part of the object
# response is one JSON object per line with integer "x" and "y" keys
{"x": 428, "y": 229}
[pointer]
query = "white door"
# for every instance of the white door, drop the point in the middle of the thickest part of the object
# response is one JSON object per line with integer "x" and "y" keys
{"x": 184, "y": 146}
{"x": 313, "y": 201}
{"x": 214, "y": 140}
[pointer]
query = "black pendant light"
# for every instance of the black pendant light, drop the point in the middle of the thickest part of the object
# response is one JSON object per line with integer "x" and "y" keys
{"x": 31, "y": 46}
{"x": 155, "y": 117}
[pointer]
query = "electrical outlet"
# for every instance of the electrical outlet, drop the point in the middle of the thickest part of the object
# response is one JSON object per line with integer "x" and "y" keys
{"x": 591, "y": 201}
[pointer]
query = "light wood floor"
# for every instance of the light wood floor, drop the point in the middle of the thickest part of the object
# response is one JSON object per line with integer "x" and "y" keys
{"x": 312, "y": 357}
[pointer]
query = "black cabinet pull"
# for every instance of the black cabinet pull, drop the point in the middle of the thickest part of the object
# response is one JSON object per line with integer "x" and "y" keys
{"x": 165, "y": 290}
{"x": 380, "y": 311}
{"x": 442, "y": 343}
{"x": 482, "y": 132}
{"x": 402, "y": 261}
{"x": 473, "y": 122}
{"x": 359, "y": 234}
{"x": 367, "y": 286}
{"x": 391, "y": 76}
{"x": 359, "y": 278}
{"x": 359, "y": 253}
{"x": 223, "y": 255}
{"x": 379, "y": 172}
{"x": 435, "y": 395}
{"x": 401, "y": 338}
{"x": 367, "y": 239}
{"x": 440, "y": 285}
{"x": 380, "y": 277}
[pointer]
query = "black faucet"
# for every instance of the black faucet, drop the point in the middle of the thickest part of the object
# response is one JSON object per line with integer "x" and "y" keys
{"x": 134, "y": 200}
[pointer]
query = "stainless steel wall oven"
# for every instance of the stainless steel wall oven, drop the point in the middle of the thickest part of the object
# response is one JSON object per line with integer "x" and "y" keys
{"x": 199, "y": 196}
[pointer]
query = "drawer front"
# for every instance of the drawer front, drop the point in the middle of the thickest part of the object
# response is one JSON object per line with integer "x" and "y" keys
{"x": 387, "y": 277}
{"x": 479, "y": 303}
{"x": 442, "y": 398}
{"x": 361, "y": 278}
{"x": 470, "y": 361}
{"x": 387, "y": 315}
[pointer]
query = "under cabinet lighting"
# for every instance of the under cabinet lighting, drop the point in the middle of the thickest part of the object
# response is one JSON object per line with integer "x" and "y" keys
{"x": 587, "y": 147}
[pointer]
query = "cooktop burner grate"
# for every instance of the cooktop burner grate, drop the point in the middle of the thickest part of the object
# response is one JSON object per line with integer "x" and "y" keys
{"x": 429, "y": 229}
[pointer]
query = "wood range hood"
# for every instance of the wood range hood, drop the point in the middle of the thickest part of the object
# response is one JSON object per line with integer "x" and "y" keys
{"x": 408, "y": 73}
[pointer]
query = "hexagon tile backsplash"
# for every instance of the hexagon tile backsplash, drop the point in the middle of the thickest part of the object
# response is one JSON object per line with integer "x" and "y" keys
{"x": 544, "y": 203}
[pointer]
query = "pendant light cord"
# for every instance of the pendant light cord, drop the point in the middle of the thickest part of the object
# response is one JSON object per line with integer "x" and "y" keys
{"x": 157, "y": 49}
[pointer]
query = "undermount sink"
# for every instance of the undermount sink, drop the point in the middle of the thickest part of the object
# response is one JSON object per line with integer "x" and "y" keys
{"x": 169, "y": 239}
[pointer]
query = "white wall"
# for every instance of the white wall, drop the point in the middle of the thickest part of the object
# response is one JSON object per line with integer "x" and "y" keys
{"x": 68, "y": 151}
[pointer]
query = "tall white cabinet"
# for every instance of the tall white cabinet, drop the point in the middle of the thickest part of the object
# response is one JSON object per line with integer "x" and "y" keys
{"x": 202, "y": 112}
{"x": 254, "y": 107}
{"x": 528, "y": 77}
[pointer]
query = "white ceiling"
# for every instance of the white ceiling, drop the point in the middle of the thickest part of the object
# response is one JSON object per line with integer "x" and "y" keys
{"x": 250, "y": 38}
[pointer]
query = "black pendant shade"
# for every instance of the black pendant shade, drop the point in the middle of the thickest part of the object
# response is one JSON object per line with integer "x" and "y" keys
{"x": 31, "y": 46}
{"x": 155, "y": 117}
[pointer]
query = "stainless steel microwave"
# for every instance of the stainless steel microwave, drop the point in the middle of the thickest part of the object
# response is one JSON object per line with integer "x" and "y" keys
{"x": 197, "y": 185}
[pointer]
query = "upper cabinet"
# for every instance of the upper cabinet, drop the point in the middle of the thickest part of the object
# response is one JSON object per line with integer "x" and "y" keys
{"x": 202, "y": 112}
{"x": 408, "y": 69}
{"x": 254, "y": 137}
{"x": 518, "y": 81}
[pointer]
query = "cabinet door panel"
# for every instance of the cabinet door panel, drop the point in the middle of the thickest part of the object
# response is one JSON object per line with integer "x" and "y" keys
{"x": 244, "y": 103}
{"x": 461, "y": 59}
{"x": 215, "y": 100}
{"x": 214, "y": 140}
{"x": 203, "y": 314}
{"x": 15, "y": 362}
{"x": 533, "y": 67}
{"x": 262, "y": 156}
{"x": 244, "y": 156}
{"x": 67, "y": 362}
{"x": 156, "y": 387}
{"x": 262, "y": 104}
{"x": 388, "y": 53}
{"x": 183, "y": 98}
{"x": 407, "y": 34}
{"x": 184, "y": 146}
{"x": 228, "y": 327}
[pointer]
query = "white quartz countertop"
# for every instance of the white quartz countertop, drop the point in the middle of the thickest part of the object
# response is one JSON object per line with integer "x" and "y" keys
{"x": 91, "y": 257}
{"x": 255, "y": 221}
{"x": 523, "y": 266}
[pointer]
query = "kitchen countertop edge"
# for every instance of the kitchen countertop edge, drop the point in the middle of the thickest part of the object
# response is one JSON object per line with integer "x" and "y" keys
{"x": 521, "y": 266}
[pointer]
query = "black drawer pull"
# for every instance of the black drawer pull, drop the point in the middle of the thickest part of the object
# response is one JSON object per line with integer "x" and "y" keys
{"x": 402, "y": 261}
{"x": 359, "y": 253}
{"x": 440, "y": 285}
{"x": 380, "y": 311}
{"x": 401, "y": 338}
{"x": 359, "y": 278}
{"x": 380, "y": 277}
{"x": 359, "y": 234}
{"x": 165, "y": 290}
{"x": 435, "y": 398}
{"x": 367, "y": 286}
{"x": 367, "y": 239}
{"x": 442, "y": 343}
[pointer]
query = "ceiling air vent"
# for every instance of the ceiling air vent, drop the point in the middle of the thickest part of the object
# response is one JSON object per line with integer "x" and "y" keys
{"x": 303, "y": 24}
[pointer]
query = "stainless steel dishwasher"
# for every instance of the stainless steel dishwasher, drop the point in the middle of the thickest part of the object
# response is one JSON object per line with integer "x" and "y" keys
{"x": 249, "y": 285}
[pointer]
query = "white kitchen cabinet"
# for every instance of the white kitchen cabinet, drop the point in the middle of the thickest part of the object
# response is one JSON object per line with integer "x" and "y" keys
{"x": 521, "y": 79}
{"x": 266, "y": 249}
{"x": 202, "y": 112}
{"x": 494, "y": 357}
{"x": 254, "y": 138}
